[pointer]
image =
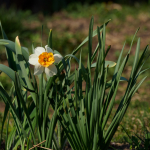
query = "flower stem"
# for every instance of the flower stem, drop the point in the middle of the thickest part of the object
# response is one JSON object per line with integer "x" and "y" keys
{"x": 41, "y": 35}
{"x": 40, "y": 101}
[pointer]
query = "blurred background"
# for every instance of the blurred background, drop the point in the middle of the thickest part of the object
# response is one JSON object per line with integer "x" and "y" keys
{"x": 52, "y": 6}
{"x": 69, "y": 20}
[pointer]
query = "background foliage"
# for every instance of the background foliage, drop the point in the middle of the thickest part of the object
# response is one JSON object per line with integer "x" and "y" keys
{"x": 55, "y": 5}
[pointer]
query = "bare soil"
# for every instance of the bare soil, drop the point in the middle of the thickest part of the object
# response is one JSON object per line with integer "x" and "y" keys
{"x": 116, "y": 146}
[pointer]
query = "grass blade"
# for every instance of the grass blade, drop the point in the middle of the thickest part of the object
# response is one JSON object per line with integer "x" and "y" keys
{"x": 50, "y": 39}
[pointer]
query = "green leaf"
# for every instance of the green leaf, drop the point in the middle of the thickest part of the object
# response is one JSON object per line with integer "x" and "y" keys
{"x": 136, "y": 58}
{"x": 90, "y": 40}
{"x": 113, "y": 91}
{"x": 7, "y": 131}
{"x": 11, "y": 45}
{"x": 24, "y": 69}
{"x": 6, "y": 110}
{"x": 9, "y": 53}
{"x": 11, "y": 137}
{"x": 7, "y": 99}
{"x": 50, "y": 39}
{"x": 51, "y": 127}
{"x": 20, "y": 96}
{"x": 133, "y": 39}
{"x": 8, "y": 71}
{"x": 108, "y": 64}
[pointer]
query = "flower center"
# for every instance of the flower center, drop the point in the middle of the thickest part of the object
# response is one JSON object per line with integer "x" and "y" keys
{"x": 46, "y": 59}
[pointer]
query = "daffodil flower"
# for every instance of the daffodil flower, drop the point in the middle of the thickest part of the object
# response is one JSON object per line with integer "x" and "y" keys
{"x": 43, "y": 60}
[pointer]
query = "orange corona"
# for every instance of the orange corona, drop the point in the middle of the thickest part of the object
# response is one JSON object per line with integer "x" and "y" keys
{"x": 46, "y": 59}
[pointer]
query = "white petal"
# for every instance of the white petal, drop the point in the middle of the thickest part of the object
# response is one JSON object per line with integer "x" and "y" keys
{"x": 39, "y": 50}
{"x": 48, "y": 49}
{"x": 51, "y": 70}
{"x": 57, "y": 58}
{"x": 38, "y": 69}
{"x": 33, "y": 59}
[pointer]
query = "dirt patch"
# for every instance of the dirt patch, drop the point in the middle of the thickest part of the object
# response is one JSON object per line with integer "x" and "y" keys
{"x": 2, "y": 107}
{"x": 116, "y": 146}
{"x": 2, "y": 145}
{"x": 69, "y": 24}
{"x": 113, "y": 146}
{"x": 119, "y": 146}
